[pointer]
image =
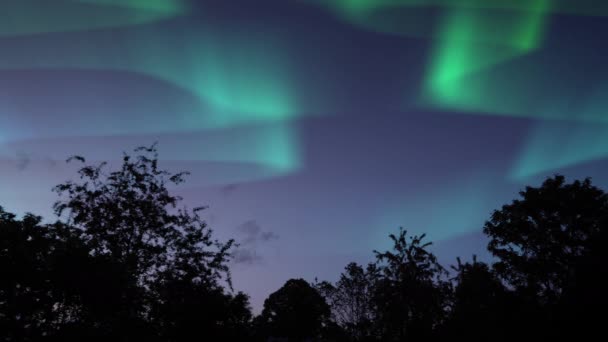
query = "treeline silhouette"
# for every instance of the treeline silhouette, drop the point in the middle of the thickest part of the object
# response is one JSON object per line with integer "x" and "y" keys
{"x": 125, "y": 261}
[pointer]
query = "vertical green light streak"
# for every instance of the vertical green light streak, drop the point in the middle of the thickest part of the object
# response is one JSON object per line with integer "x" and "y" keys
{"x": 554, "y": 145}
{"x": 472, "y": 41}
{"x": 274, "y": 146}
{"x": 447, "y": 211}
{"x": 243, "y": 87}
{"x": 238, "y": 81}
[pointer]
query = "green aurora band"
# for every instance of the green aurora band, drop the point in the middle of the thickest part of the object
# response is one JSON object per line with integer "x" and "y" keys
{"x": 483, "y": 49}
{"x": 376, "y": 14}
{"x": 576, "y": 143}
{"x": 27, "y": 17}
{"x": 460, "y": 55}
{"x": 449, "y": 209}
{"x": 225, "y": 156}
{"x": 483, "y": 62}
{"x": 239, "y": 81}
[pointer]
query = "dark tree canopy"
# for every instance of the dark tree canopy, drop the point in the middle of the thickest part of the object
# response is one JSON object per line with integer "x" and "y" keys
{"x": 123, "y": 262}
{"x": 52, "y": 286}
{"x": 130, "y": 215}
{"x": 189, "y": 309}
{"x": 351, "y": 299}
{"x": 586, "y": 297}
{"x": 26, "y": 253}
{"x": 126, "y": 262}
{"x": 410, "y": 295}
{"x": 481, "y": 307}
{"x": 539, "y": 238}
{"x": 550, "y": 246}
{"x": 295, "y": 311}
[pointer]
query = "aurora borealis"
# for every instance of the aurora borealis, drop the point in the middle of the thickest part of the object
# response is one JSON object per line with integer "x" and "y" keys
{"x": 326, "y": 122}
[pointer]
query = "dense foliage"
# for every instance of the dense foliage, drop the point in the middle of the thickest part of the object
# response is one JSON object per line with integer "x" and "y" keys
{"x": 126, "y": 261}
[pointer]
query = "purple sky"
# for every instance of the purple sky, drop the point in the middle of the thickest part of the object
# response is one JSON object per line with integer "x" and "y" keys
{"x": 368, "y": 158}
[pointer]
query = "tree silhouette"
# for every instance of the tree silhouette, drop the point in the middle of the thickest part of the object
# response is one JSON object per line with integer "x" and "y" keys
{"x": 51, "y": 286}
{"x": 130, "y": 216}
{"x": 481, "y": 307}
{"x": 351, "y": 300}
{"x": 25, "y": 289}
{"x": 411, "y": 293}
{"x": 296, "y": 311}
{"x": 124, "y": 262}
{"x": 187, "y": 309}
{"x": 546, "y": 244}
{"x": 539, "y": 238}
{"x": 585, "y": 297}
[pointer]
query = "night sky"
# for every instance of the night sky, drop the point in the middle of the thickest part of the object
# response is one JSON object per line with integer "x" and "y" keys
{"x": 311, "y": 128}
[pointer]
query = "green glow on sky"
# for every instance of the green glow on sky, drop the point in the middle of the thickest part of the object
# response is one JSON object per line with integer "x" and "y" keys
{"x": 481, "y": 63}
{"x": 163, "y": 6}
{"x": 387, "y": 16}
{"x": 223, "y": 156}
{"x": 279, "y": 148}
{"x": 243, "y": 82}
{"x": 274, "y": 146}
{"x": 238, "y": 80}
{"x": 25, "y": 17}
{"x": 470, "y": 43}
{"x": 555, "y": 145}
{"x": 448, "y": 210}
{"x": 257, "y": 152}
{"x": 230, "y": 80}
{"x": 361, "y": 9}
{"x": 356, "y": 7}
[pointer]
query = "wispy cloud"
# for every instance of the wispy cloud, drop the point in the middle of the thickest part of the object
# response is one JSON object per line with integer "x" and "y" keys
{"x": 228, "y": 189}
{"x": 23, "y": 160}
{"x": 252, "y": 237}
